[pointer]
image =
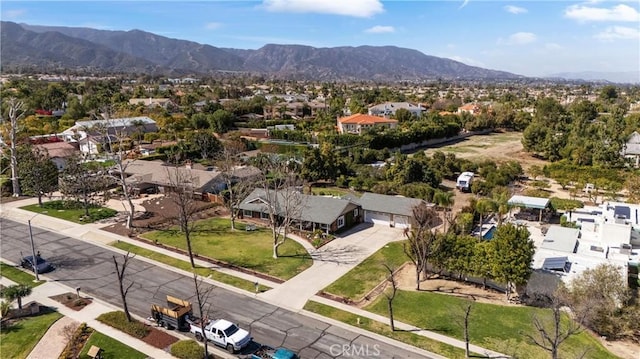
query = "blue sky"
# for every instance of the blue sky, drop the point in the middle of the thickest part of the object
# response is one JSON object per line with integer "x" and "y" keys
{"x": 532, "y": 38}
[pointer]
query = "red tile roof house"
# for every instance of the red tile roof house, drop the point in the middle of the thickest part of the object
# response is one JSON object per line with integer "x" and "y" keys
{"x": 360, "y": 122}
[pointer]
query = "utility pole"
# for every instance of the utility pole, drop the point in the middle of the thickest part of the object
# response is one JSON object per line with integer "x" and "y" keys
{"x": 33, "y": 252}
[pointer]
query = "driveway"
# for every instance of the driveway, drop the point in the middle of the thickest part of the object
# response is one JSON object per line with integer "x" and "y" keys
{"x": 331, "y": 262}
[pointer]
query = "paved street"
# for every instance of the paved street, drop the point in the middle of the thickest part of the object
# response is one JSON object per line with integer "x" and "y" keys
{"x": 90, "y": 267}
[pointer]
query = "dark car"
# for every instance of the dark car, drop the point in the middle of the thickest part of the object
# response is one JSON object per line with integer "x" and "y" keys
{"x": 42, "y": 265}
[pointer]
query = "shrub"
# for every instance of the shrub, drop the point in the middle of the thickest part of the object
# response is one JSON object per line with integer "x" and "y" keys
{"x": 76, "y": 341}
{"x": 563, "y": 204}
{"x": 101, "y": 213}
{"x": 119, "y": 321}
{"x": 187, "y": 349}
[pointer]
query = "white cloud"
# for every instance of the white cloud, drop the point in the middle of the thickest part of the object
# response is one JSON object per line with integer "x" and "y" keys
{"x": 212, "y": 25}
{"x": 552, "y": 46}
{"x": 519, "y": 38}
{"x": 617, "y": 13}
{"x": 619, "y": 32}
{"x": 515, "y": 9}
{"x": 466, "y": 61}
{"x": 355, "y": 8}
{"x": 378, "y": 29}
{"x": 464, "y": 3}
{"x": 12, "y": 14}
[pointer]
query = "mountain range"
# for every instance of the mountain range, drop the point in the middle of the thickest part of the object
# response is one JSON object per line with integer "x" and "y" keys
{"x": 73, "y": 48}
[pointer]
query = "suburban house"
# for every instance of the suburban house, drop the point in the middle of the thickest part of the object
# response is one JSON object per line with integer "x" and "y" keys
{"x": 156, "y": 176}
{"x": 609, "y": 233}
{"x": 631, "y": 149}
{"x": 59, "y": 152}
{"x": 471, "y": 108}
{"x": 392, "y": 211}
{"x": 152, "y": 102}
{"x": 359, "y": 123}
{"x": 310, "y": 212}
{"x": 94, "y": 145}
{"x": 127, "y": 126}
{"x": 388, "y": 109}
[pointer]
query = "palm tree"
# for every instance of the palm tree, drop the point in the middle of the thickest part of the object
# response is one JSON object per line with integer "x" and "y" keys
{"x": 444, "y": 200}
{"x": 484, "y": 206}
{"x": 501, "y": 197}
{"x": 16, "y": 292}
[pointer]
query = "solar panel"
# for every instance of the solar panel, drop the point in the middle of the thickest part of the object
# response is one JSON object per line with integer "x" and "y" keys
{"x": 622, "y": 212}
{"x": 555, "y": 263}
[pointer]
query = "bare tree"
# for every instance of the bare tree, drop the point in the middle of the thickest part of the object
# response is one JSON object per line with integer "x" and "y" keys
{"x": 421, "y": 240}
{"x": 86, "y": 183}
{"x": 202, "y": 295}
{"x": 463, "y": 321}
{"x": 284, "y": 202}
{"x": 236, "y": 190}
{"x": 391, "y": 295}
{"x": 15, "y": 112}
{"x": 554, "y": 328}
{"x": 116, "y": 139}
{"x": 183, "y": 197}
{"x": 121, "y": 271}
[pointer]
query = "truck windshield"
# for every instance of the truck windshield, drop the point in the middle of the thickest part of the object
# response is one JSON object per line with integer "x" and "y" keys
{"x": 231, "y": 330}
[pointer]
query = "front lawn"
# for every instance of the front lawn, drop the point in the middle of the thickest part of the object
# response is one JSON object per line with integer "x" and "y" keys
{"x": 19, "y": 339}
{"x": 495, "y": 327}
{"x": 17, "y": 275}
{"x": 184, "y": 265}
{"x": 113, "y": 349}
{"x": 214, "y": 238}
{"x": 71, "y": 211}
{"x": 374, "y": 326}
{"x": 365, "y": 276}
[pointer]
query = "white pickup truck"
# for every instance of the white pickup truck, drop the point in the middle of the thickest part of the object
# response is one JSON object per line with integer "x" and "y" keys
{"x": 223, "y": 333}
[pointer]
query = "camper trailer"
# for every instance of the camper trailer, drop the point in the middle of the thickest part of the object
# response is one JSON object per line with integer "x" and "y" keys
{"x": 464, "y": 181}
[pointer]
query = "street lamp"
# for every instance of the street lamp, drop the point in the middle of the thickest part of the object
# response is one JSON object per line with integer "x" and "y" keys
{"x": 33, "y": 252}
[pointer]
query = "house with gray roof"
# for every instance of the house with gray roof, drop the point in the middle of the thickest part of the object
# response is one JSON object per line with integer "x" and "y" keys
{"x": 631, "y": 149}
{"x": 313, "y": 212}
{"x": 388, "y": 109}
{"x": 393, "y": 211}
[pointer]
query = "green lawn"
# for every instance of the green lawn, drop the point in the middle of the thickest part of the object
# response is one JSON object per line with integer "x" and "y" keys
{"x": 248, "y": 249}
{"x": 383, "y": 329}
{"x": 329, "y": 191}
{"x": 17, "y": 275}
{"x": 364, "y": 277}
{"x": 491, "y": 325}
{"x": 17, "y": 341}
{"x": 177, "y": 263}
{"x": 113, "y": 349}
{"x": 77, "y": 215}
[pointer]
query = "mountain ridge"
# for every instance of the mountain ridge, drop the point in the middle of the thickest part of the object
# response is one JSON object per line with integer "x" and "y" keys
{"x": 144, "y": 52}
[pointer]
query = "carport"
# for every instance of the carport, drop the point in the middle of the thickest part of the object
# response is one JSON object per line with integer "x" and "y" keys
{"x": 538, "y": 203}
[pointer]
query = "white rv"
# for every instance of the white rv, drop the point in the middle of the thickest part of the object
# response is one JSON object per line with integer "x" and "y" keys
{"x": 464, "y": 181}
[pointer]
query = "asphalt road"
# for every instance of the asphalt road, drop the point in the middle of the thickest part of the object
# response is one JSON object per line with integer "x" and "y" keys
{"x": 90, "y": 267}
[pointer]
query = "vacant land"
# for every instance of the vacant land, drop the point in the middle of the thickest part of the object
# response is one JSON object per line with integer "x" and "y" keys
{"x": 253, "y": 250}
{"x": 499, "y": 147}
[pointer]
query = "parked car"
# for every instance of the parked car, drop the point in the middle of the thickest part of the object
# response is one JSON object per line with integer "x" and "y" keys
{"x": 43, "y": 265}
{"x": 223, "y": 333}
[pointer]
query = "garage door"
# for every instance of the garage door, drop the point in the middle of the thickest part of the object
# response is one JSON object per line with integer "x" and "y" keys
{"x": 401, "y": 221}
{"x": 377, "y": 218}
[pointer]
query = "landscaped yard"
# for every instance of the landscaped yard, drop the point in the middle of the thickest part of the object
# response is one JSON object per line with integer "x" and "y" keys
{"x": 383, "y": 329}
{"x": 19, "y": 276}
{"x": 495, "y": 327}
{"x": 364, "y": 277}
{"x": 204, "y": 272}
{"x": 19, "y": 339}
{"x": 214, "y": 238}
{"x": 71, "y": 211}
{"x": 113, "y": 349}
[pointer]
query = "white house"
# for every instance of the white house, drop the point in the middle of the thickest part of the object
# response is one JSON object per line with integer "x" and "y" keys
{"x": 388, "y": 109}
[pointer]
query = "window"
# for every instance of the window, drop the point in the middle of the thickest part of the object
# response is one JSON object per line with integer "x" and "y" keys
{"x": 340, "y": 221}
{"x": 264, "y": 215}
{"x": 247, "y": 213}
{"x": 355, "y": 212}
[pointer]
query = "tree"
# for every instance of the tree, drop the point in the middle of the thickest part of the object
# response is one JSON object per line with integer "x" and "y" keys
{"x": 283, "y": 201}
{"x": 206, "y": 144}
{"x": 202, "y": 294}
{"x": 124, "y": 290}
{"x": 553, "y": 327}
{"x": 15, "y": 292}
{"x": 15, "y": 112}
{"x": 236, "y": 190}
{"x": 421, "y": 241}
{"x": 391, "y": 295}
{"x": 444, "y": 200}
{"x": 85, "y": 183}
{"x": 598, "y": 295}
{"x": 512, "y": 254}
{"x": 38, "y": 174}
{"x": 484, "y": 205}
{"x": 182, "y": 196}
{"x": 464, "y": 323}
